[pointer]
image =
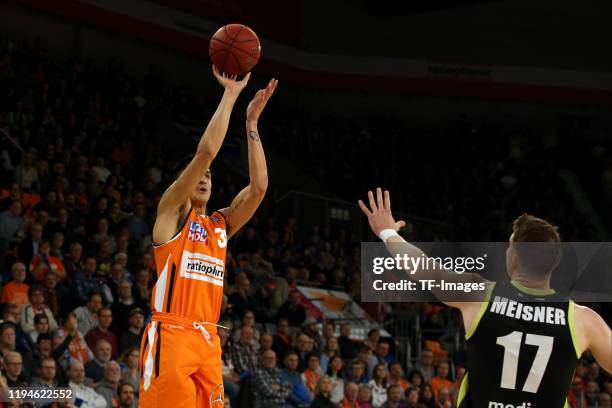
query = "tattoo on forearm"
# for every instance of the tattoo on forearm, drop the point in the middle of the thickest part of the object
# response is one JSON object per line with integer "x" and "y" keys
{"x": 253, "y": 135}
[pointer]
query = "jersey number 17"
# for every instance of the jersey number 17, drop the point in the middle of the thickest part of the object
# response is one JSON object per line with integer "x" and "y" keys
{"x": 512, "y": 347}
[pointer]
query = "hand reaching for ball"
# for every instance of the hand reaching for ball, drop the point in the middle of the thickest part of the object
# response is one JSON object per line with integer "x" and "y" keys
{"x": 231, "y": 83}
{"x": 259, "y": 101}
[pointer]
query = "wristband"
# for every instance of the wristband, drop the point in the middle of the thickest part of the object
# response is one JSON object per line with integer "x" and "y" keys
{"x": 387, "y": 233}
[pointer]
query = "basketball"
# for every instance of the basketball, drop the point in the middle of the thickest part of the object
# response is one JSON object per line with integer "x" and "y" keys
{"x": 234, "y": 49}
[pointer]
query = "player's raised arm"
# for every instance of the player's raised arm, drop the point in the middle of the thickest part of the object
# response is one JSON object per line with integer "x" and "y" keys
{"x": 248, "y": 199}
{"x": 177, "y": 195}
{"x": 593, "y": 334}
{"x": 385, "y": 227}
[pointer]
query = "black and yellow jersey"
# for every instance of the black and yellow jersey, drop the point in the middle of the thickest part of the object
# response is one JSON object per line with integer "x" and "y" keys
{"x": 521, "y": 350}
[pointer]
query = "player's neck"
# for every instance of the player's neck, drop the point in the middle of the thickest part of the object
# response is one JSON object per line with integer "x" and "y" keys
{"x": 199, "y": 207}
{"x": 530, "y": 282}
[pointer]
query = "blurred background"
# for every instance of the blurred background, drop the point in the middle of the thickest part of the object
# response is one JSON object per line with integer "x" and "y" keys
{"x": 470, "y": 112}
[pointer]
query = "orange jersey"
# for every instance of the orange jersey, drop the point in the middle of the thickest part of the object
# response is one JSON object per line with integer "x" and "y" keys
{"x": 190, "y": 269}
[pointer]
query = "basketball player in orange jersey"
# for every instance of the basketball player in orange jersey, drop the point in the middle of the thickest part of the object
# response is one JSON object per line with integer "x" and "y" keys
{"x": 181, "y": 352}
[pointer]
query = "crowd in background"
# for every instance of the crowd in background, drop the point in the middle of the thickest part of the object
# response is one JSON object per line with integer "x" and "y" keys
{"x": 79, "y": 189}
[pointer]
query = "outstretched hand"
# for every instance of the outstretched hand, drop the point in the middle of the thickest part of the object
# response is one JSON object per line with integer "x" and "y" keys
{"x": 231, "y": 83}
{"x": 379, "y": 214}
{"x": 260, "y": 100}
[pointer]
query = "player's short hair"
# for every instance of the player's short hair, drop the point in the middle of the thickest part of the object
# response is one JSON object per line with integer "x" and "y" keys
{"x": 537, "y": 259}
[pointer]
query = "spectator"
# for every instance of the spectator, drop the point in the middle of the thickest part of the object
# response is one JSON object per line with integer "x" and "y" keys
{"x": 357, "y": 373}
{"x": 87, "y": 316}
{"x": 305, "y": 346}
{"x": 412, "y": 399}
{"x": 330, "y": 351}
{"x": 282, "y": 342}
{"x": 126, "y": 392}
{"x": 248, "y": 320}
{"x": 243, "y": 355}
{"x": 11, "y": 225}
{"x": 57, "y": 248}
{"x": 46, "y": 374}
{"x": 393, "y": 398}
{"x": 373, "y": 338}
{"x": 102, "y": 234}
{"x": 327, "y": 331}
{"x": 231, "y": 380}
{"x": 131, "y": 337}
{"x": 312, "y": 373}
{"x": 77, "y": 348}
{"x": 62, "y": 225}
{"x": 117, "y": 275}
{"x": 28, "y": 248}
{"x": 137, "y": 225}
{"x": 73, "y": 262}
{"x": 425, "y": 364}
{"x": 299, "y": 393}
{"x": 292, "y": 309}
{"x": 16, "y": 291}
{"x": 309, "y": 326}
{"x": 95, "y": 367}
{"x": 444, "y": 398}
{"x": 110, "y": 383}
{"x": 351, "y": 392}
{"x": 593, "y": 374}
{"x": 13, "y": 363}
{"x": 7, "y": 338}
{"x": 365, "y": 356}
{"x": 11, "y": 314}
{"x": 89, "y": 397}
{"x": 334, "y": 371}
{"x": 427, "y": 397}
{"x": 43, "y": 263}
{"x": 141, "y": 289}
{"x": 241, "y": 299}
{"x": 57, "y": 294}
{"x": 265, "y": 342}
{"x": 364, "y": 397}
{"x": 130, "y": 367}
{"x": 396, "y": 377}
{"x": 379, "y": 385}
{"x": 37, "y": 305}
{"x": 604, "y": 400}
{"x": 460, "y": 373}
{"x": 269, "y": 390}
{"x": 102, "y": 332}
{"x": 88, "y": 280}
{"x": 416, "y": 379}
{"x": 41, "y": 326}
{"x": 380, "y": 356}
{"x": 348, "y": 347}
{"x": 122, "y": 307}
{"x": 44, "y": 349}
{"x": 441, "y": 380}
{"x": 323, "y": 394}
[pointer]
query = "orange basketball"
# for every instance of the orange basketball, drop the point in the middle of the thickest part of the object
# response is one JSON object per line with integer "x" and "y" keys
{"x": 234, "y": 49}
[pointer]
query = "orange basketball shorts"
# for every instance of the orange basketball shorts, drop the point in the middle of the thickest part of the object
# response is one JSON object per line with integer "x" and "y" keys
{"x": 180, "y": 364}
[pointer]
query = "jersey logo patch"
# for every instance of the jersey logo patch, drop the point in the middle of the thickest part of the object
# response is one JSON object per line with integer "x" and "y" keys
{"x": 197, "y": 233}
{"x": 202, "y": 267}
